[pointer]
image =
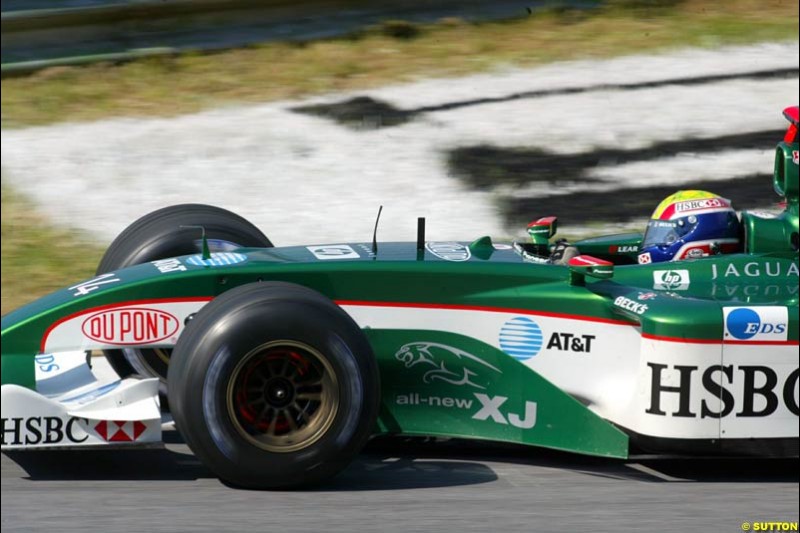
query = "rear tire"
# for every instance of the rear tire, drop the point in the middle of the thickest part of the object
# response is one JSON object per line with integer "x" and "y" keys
{"x": 274, "y": 386}
{"x": 159, "y": 235}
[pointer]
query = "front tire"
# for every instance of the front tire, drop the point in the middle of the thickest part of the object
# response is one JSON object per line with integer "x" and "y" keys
{"x": 163, "y": 234}
{"x": 274, "y": 386}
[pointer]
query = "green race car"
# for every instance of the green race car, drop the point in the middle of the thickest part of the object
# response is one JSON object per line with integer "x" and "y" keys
{"x": 278, "y": 363}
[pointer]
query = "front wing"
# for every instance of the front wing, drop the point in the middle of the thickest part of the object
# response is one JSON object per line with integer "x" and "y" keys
{"x": 74, "y": 407}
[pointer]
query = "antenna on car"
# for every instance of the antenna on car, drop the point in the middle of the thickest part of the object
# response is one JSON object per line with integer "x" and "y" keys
{"x": 375, "y": 233}
{"x": 206, "y": 251}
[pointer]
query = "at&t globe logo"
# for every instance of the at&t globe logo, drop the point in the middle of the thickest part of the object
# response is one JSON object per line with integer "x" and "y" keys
{"x": 521, "y": 338}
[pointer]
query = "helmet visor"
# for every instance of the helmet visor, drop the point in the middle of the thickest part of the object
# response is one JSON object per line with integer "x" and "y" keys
{"x": 666, "y": 232}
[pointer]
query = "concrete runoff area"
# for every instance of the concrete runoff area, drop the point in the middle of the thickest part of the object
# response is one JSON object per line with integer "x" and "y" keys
{"x": 632, "y": 127}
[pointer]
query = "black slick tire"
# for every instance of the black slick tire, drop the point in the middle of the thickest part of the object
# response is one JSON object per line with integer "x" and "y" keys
{"x": 248, "y": 331}
{"x": 163, "y": 234}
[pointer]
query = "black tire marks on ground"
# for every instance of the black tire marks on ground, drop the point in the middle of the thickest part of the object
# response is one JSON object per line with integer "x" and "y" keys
{"x": 364, "y": 112}
{"x": 623, "y": 205}
{"x": 488, "y": 167}
{"x": 360, "y": 113}
{"x": 484, "y": 167}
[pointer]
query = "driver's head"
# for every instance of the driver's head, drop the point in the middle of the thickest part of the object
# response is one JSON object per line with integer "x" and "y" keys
{"x": 689, "y": 225}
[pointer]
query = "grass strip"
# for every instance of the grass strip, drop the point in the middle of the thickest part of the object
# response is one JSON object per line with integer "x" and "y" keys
{"x": 396, "y": 51}
{"x": 37, "y": 258}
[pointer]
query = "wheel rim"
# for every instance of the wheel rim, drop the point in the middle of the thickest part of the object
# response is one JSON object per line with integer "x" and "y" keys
{"x": 283, "y": 396}
{"x": 154, "y": 362}
{"x": 150, "y": 362}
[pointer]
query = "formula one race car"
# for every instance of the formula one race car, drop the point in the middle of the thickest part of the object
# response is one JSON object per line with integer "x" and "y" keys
{"x": 277, "y": 364}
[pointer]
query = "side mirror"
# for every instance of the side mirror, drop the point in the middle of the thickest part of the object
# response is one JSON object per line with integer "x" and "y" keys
{"x": 541, "y": 230}
{"x": 785, "y": 179}
{"x": 586, "y": 265}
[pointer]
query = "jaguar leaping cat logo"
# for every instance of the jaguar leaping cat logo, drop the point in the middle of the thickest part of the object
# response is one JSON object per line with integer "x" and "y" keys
{"x": 442, "y": 362}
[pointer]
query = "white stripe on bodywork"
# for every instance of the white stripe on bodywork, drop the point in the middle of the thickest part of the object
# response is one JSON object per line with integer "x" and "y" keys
{"x": 614, "y": 380}
{"x": 606, "y": 377}
{"x": 70, "y": 335}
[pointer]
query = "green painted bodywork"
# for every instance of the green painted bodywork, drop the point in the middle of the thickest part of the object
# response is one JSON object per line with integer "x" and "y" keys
{"x": 685, "y": 305}
{"x": 416, "y": 400}
{"x": 763, "y": 232}
{"x": 499, "y": 280}
{"x": 620, "y": 248}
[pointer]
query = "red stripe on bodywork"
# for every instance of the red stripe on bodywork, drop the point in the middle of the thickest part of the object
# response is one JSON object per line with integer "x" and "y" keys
{"x": 765, "y": 343}
{"x": 60, "y": 321}
{"x": 457, "y": 307}
{"x": 715, "y": 341}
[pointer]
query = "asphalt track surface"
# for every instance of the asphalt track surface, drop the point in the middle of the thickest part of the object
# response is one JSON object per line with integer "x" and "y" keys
{"x": 399, "y": 485}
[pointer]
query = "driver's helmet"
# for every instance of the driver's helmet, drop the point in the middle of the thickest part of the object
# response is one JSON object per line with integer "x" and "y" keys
{"x": 688, "y": 225}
